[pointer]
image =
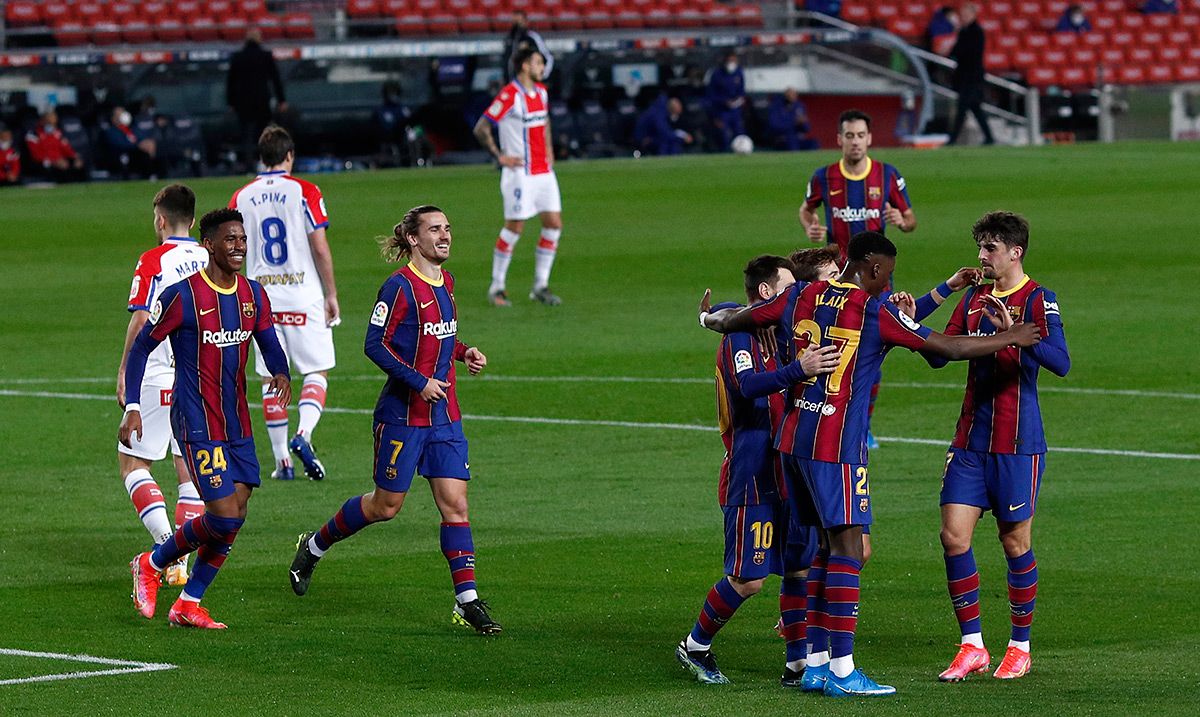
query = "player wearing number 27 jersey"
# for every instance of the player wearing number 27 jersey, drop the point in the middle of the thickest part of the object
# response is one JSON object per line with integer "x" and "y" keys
{"x": 289, "y": 255}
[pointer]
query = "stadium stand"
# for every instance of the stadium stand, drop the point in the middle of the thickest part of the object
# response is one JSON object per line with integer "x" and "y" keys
{"x": 1130, "y": 47}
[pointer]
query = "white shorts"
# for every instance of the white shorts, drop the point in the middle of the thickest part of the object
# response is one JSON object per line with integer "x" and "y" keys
{"x": 305, "y": 338}
{"x": 156, "y": 426}
{"x": 526, "y": 195}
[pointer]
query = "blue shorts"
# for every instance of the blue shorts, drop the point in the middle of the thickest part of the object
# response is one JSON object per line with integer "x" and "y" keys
{"x": 754, "y": 540}
{"x": 434, "y": 451}
{"x": 1006, "y": 484}
{"x": 840, "y": 492}
{"x": 216, "y": 465}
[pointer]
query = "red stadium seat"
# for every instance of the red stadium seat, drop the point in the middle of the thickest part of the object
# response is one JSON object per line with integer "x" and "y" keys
{"x": 1104, "y": 22}
{"x": 568, "y": 19}
{"x": 203, "y": 29}
{"x": 660, "y": 16}
{"x": 1150, "y": 38}
{"x": 996, "y": 61}
{"x": 122, "y": 12}
{"x": 271, "y": 27}
{"x": 56, "y": 12}
{"x": 1170, "y": 55}
{"x": 1190, "y": 20}
{"x": 718, "y": 16}
{"x": 252, "y": 10}
{"x": 89, "y": 13}
{"x": 1074, "y": 76}
{"x": 473, "y": 23}
{"x": 1064, "y": 39}
{"x": 1083, "y": 57}
{"x": 411, "y": 23}
{"x": 152, "y": 10}
{"x": 70, "y": 33}
{"x": 857, "y": 14}
{"x": 394, "y": 8}
{"x": 993, "y": 27}
{"x": 1160, "y": 73}
{"x": 1041, "y": 76}
{"x": 186, "y": 10}
{"x": 1192, "y": 54}
{"x": 904, "y": 27}
{"x": 22, "y": 14}
{"x": 1131, "y": 74}
{"x": 1121, "y": 38}
{"x": 1179, "y": 38}
{"x": 1037, "y": 40}
{"x": 1162, "y": 22}
{"x": 298, "y": 25}
{"x": 362, "y": 9}
{"x": 1112, "y": 57}
{"x": 137, "y": 31}
{"x": 441, "y": 23}
{"x": 1094, "y": 39}
{"x": 1019, "y": 25}
{"x": 233, "y": 29}
{"x": 597, "y": 19}
{"x": 1052, "y": 57}
{"x": 882, "y": 12}
{"x": 1024, "y": 59}
{"x": 1140, "y": 55}
{"x": 169, "y": 31}
{"x": 1029, "y": 8}
{"x": 748, "y": 15}
{"x": 218, "y": 10}
{"x": 1114, "y": 7}
{"x": 1008, "y": 42}
{"x": 105, "y": 33}
{"x": 1187, "y": 73}
{"x": 1132, "y": 21}
{"x": 1000, "y": 9}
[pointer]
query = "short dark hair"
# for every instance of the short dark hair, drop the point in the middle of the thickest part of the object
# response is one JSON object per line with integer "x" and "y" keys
{"x": 522, "y": 54}
{"x": 864, "y": 244}
{"x": 214, "y": 219}
{"x": 807, "y": 261}
{"x": 852, "y": 115}
{"x": 176, "y": 203}
{"x": 396, "y": 247}
{"x": 274, "y": 144}
{"x": 763, "y": 268}
{"x": 1008, "y": 227}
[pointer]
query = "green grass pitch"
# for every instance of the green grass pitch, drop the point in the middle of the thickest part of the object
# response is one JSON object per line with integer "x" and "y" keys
{"x": 597, "y": 542}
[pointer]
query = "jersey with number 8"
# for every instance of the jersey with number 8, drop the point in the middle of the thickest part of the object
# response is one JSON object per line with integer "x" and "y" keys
{"x": 280, "y": 211}
{"x": 826, "y": 418}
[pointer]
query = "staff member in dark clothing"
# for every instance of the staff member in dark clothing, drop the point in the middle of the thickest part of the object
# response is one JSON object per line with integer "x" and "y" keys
{"x": 520, "y": 35}
{"x": 968, "y": 74}
{"x": 253, "y": 78}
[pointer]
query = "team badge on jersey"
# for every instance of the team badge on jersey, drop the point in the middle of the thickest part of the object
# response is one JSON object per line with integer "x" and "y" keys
{"x": 248, "y": 309}
{"x": 1015, "y": 313}
{"x": 379, "y": 315}
{"x": 874, "y": 193}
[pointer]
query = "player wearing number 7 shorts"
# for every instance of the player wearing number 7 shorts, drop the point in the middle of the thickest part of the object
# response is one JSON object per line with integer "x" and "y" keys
{"x": 288, "y": 254}
{"x": 824, "y": 431}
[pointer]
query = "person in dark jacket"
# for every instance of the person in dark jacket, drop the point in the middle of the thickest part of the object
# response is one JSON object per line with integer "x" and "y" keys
{"x": 787, "y": 120}
{"x": 520, "y": 35}
{"x": 968, "y": 73}
{"x": 253, "y": 79}
{"x": 726, "y": 98}
{"x": 1073, "y": 19}
{"x": 660, "y": 130}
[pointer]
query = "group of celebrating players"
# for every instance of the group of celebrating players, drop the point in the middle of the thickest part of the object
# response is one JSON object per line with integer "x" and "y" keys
{"x": 797, "y": 373}
{"x": 796, "y": 376}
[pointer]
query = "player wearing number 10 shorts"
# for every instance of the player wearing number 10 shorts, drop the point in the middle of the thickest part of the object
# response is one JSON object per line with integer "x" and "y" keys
{"x": 288, "y": 255}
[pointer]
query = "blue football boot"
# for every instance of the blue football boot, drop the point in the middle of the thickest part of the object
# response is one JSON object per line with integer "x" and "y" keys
{"x": 303, "y": 450}
{"x": 701, "y": 664}
{"x": 814, "y": 678}
{"x": 855, "y": 684}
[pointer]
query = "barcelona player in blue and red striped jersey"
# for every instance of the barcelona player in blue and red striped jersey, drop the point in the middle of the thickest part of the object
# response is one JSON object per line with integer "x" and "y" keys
{"x": 750, "y": 488}
{"x": 999, "y": 451}
{"x": 823, "y": 436}
{"x": 859, "y": 193}
{"x": 210, "y": 318}
{"x": 413, "y": 337}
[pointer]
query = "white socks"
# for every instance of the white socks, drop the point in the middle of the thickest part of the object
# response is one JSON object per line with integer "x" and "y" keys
{"x": 543, "y": 258}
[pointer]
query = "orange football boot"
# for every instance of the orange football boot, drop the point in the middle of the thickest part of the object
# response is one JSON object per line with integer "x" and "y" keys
{"x": 145, "y": 585}
{"x": 1016, "y": 663}
{"x": 185, "y": 613}
{"x": 969, "y": 659}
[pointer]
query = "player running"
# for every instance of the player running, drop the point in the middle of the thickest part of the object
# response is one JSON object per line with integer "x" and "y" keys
{"x": 528, "y": 186}
{"x": 289, "y": 255}
{"x": 176, "y": 257}
{"x": 413, "y": 337}
{"x": 210, "y": 318}
{"x": 823, "y": 436}
{"x": 751, "y": 489}
{"x": 999, "y": 451}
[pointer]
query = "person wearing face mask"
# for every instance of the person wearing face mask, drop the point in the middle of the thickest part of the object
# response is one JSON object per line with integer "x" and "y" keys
{"x": 10, "y": 159}
{"x": 54, "y": 156}
{"x": 1073, "y": 20}
{"x": 128, "y": 154}
{"x": 727, "y": 99}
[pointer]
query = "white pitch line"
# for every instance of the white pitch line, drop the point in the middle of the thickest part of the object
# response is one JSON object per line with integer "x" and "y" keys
{"x": 638, "y": 424}
{"x": 1076, "y": 390}
{"x": 124, "y": 667}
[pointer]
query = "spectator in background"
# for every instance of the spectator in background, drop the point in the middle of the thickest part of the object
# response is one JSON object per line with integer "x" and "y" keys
{"x": 400, "y": 141}
{"x": 126, "y": 151}
{"x": 660, "y": 128}
{"x": 726, "y": 98}
{"x": 968, "y": 79}
{"x": 10, "y": 158}
{"x": 1073, "y": 20}
{"x": 832, "y": 8}
{"x": 520, "y": 36}
{"x": 942, "y": 30}
{"x": 52, "y": 153}
{"x": 252, "y": 81}
{"x": 787, "y": 120}
{"x": 1153, "y": 7}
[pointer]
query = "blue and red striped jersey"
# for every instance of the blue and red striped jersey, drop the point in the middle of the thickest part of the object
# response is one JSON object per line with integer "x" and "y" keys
{"x": 826, "y": 416}
{"x": 751, "y": 472}
{"x": 854, "y": 203}
{"x": 1000, "y": 412}
{"x": 413, "y": 336}
{"x": 210, "y": 330}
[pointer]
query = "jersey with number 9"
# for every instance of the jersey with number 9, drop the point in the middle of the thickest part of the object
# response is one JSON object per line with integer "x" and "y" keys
{"x": 280, "y": 211}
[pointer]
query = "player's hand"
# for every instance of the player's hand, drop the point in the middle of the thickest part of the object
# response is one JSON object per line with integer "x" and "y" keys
{"x": 131, "y": 424}
{"x": 766, "y": 339}
{"x": 964, "y": 277}
{"x": 815, "y": 231}
{"x": 705, "y": 305}
{"x": 1024, "y": 335}
{"x": 818, "y": 361}
{"x": 434, "y": 390}
{"x": 333, "y": 314}
{"x": 121, "y": 389}
{"x": 997, "y": 312}
{"x": 508, "y": 160}
{"x": 893, "y": 216}
{"x": 281, "y": 386}
{"x": 905, "y": 302}
{"x": 475, "y": 360}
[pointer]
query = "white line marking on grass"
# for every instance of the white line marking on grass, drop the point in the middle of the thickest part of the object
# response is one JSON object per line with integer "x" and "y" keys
{"x": 124, "y": 667}
{"x": 1078, "y": 390}
{"x": 542, "y": 420}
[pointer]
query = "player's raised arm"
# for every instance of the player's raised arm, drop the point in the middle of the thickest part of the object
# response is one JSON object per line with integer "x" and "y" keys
{"x": 747, "y": 318}
{"x": 961, "y": 279}
{"x": 961, "y": 348}
{"x": 1052, "y": 352}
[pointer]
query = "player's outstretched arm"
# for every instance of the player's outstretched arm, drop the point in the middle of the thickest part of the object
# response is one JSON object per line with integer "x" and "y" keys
{"x": 961, "y": 279}
{"x": 961, "y": 348}
{"x": 728, "y": 321}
